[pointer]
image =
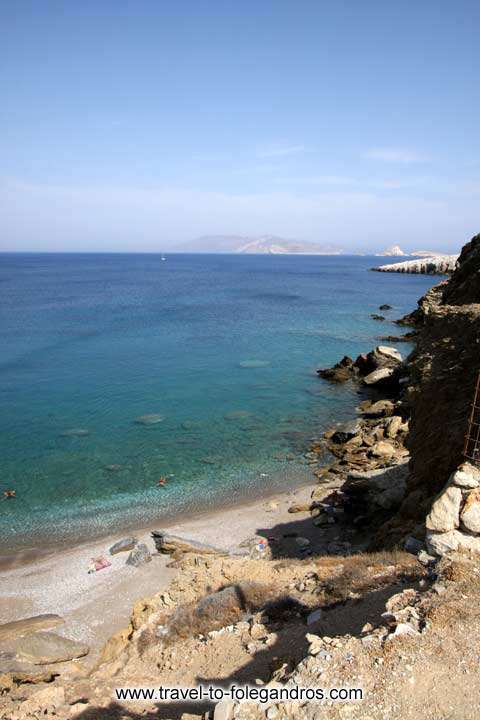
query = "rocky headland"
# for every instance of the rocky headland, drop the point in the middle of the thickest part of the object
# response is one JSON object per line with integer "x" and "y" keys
{"x": 372, "y": 582}
{"x": 431, "y": 265}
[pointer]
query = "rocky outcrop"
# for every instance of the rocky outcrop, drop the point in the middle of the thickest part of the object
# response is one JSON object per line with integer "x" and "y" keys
{"x": 383, "y": 360}
{"x": 438, "y": 265}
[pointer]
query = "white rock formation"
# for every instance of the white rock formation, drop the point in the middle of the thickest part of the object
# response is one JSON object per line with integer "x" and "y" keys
{"x": 439, "y": 265}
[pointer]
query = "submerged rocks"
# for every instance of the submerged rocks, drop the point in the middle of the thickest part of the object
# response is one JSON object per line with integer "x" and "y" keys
{"x": 75, "y": 432}
{"x": 346, "y": 432}
{"x": 251, "y": 364}
{"x": 149, "y": 419}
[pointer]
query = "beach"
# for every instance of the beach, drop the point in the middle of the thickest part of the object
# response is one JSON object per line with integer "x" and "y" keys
{"x": 97, "y": 605}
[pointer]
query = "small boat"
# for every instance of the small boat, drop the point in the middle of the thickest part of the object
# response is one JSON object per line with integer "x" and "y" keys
{"x": 163, "y": 257}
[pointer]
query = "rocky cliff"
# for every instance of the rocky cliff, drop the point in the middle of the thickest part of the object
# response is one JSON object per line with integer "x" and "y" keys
{"x": 442, "y": 374}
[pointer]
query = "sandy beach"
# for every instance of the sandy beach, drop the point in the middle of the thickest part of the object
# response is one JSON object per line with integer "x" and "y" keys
{"x": 97, "y": 605}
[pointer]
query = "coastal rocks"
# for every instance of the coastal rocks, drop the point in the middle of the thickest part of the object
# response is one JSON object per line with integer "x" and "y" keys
{"x": 383, "y": 488}
{"x": 435, "y": 265}
{"x": 383, "y": 449}
{"x": 124, "y": 545}
{"x": 393, "y": 426}
{"x": 378, "y": 377}
{"x": 14, "y": 671}
{"x": 168, "y": 544}
{"x": 454, "y": 519}
{"x": 385, "y": 307}
{"x": 139, "y": 556}
{"x": 19, "y": 628}
{"x": 345, "y": 432}
{"x": 381, "y": 408}
{"x": 44, "y": 648}
{"x": 375, "y": 316}
{"x": 341, "y": 372}
{"x": 149, "y": 419}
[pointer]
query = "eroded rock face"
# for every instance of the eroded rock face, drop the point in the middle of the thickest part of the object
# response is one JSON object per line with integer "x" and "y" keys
{"x": 445, "y": 512}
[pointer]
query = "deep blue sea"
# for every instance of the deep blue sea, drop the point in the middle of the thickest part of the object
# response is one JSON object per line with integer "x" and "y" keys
{"x": 222, "y": 350}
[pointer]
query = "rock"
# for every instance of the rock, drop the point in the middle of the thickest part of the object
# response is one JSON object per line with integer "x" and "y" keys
{"x": 375, "y": 316}
{"x": 385, "y": 307}
{"x": 302, "y": 542}
{"x": 237, "y": 415}
{"x": 383, "y": 449}
{"x": 258, "y": 631}
{"x": 44, "y": 648}
{"x": 388, "y": 353}
{"x": 314, "y": 616}
{"x": 414, "y": 546}
{"x": 168, "y": 544}
{"x": 393, "y": 425}
{"x": 254, "y": 363}
{"x": 114, "y": 468}
{"x": 381, "y": 408}
{"x": 224, "y": 710}
{"x": 402, "y": 629}
{"x": 12, "y": 670}
{"x": 378, "y": 376}
{"x": 345, "y": 432}
{"x": 123, "y": 545}
{"x": 44, "y": 701}
{"x": 442, "y": 543}
{"x": 299, "y": 507}
{"x": 445, "y": 512}
{"x": 467, "y": 476}
{"x": 18, "y": 628}
{"x": 149, "y": 419}
{"x": 340, "y": 372}
{"x": 425, "y": 558}
{"x": 470, "y": 515}
{"x": 139, "y": 556}
{"x": 75, "y": 432}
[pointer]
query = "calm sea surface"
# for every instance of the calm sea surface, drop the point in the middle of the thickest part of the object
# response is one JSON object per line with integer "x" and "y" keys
{"x": 222, "y": 350}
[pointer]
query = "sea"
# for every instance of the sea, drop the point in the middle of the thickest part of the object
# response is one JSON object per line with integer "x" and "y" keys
{"x": 118, "y": 370}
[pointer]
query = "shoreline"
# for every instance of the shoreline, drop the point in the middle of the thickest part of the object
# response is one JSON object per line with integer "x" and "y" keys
{"x": 58, "y": 582}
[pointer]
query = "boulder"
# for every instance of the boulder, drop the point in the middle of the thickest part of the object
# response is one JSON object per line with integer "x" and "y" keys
{"x": 44, "y": 648}
{"x": 139, "y": 556}
{"x": 341, "y": 372}
{"x": 445, "y": 513}
{"x": 168, "y": 544}
{"x": 124, "y": 545}
{"x": 388, "y": 354}
{"x": 385, "y": 307}
{"x": 378, "y": 376}
{"x": 381, "y": 408}
{"x": 467, "y": 476}
{"x": 383, "y": 449}
{"x": 447, "y": 542}
{"x": 12, "y": 670}
{"x": 149, "y": 419}
{"x": 345, "y": 432}
{"x": 18, "y": 628}
{"x": 470, "y": 515}
{"x": 393, "y": 425}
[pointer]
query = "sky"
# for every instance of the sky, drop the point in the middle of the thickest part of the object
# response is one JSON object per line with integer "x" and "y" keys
{"x": 140, "y": 125}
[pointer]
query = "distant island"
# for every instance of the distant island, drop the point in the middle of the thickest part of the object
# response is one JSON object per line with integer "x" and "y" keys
{"x": 263, "y": 245}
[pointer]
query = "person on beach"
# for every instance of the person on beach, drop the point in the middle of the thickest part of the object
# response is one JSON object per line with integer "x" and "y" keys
{"x": 161, "y": 482}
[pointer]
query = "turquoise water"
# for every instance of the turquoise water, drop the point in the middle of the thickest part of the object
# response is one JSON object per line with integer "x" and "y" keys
{"x": 223, "y": 349}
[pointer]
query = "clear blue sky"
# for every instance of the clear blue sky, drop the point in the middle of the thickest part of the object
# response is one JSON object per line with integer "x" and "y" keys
{"x": 138, "y": 125}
